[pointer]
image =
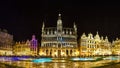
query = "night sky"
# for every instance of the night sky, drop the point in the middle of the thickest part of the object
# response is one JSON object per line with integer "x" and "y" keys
{"x": 22, "y": 19}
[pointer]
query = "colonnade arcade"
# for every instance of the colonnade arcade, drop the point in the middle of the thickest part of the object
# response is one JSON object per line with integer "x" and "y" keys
{"x": 58, "y": 52}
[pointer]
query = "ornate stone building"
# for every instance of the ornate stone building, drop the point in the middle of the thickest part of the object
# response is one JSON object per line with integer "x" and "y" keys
{"x": 34, "y": 46}
{"x": 6, "y": 42}
{"x": 29, "y": 47}
{"x": 92, "y": 46}
{"x": 116, "y": 47}
{"x": 22, "y": 48}
{"x": 59, "y": 41}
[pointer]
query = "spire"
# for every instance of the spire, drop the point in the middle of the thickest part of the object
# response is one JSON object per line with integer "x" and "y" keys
{"x": 43, "y": 25}
{"x": 97, "y": 32}
{"x": 59, "y": 22}
{"x": 59, "y": 16}
{"x": 75, "y": 27}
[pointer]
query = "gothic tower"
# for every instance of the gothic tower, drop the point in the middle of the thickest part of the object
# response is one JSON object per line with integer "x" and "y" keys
{"x": 59, "y": 30}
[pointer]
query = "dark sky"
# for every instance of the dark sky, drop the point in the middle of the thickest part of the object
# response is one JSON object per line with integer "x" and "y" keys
{"x": 24, "y": 18}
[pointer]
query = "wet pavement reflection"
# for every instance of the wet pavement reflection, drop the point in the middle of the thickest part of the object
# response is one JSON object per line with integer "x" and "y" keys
{"x": 59, "y": 64}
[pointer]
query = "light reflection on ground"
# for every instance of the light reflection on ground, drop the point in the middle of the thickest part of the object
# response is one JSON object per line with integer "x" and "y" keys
{"x": 57, "y": 63}
{"x": 83, "y": 59}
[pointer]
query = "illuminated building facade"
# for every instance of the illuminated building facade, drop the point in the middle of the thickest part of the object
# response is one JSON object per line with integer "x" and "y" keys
{"x": 22, "y": 48}
{"x": 34, "y": 45}
{"x": 59, "y": 41}
{"x": 105, "y": 46}
{"x": 6, "y": 42}
{"x": 92, "y": 46}
{"x": 116, "y": 47}
{"x": 29, "y": 47}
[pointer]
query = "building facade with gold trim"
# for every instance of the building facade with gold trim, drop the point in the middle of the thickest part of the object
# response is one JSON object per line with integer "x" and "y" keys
{"x": 116, "y": 47}
{"x": 94, "y": 45}
{"x": 22, "y": 48}
{"x": 59, "y": 41}
{"x": 29, "y": 47}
